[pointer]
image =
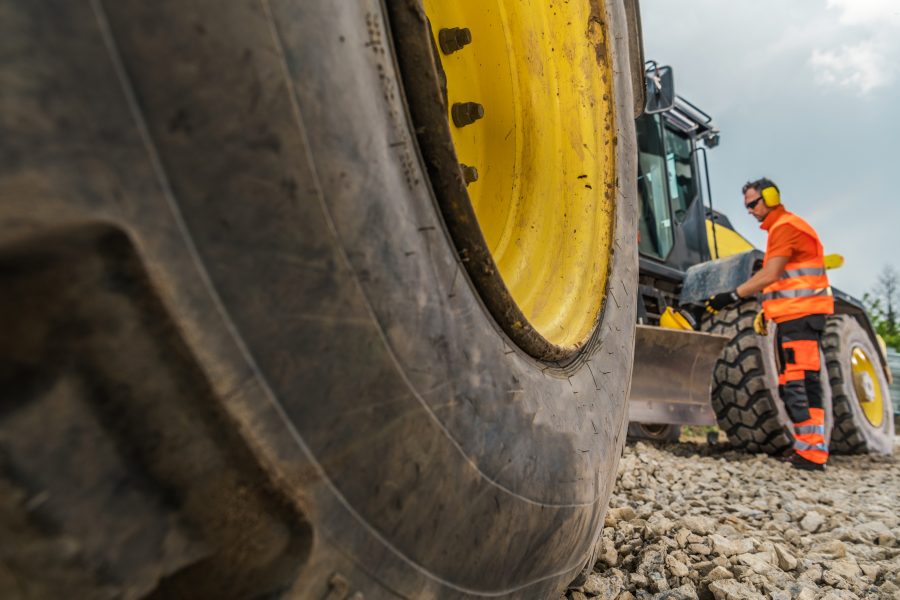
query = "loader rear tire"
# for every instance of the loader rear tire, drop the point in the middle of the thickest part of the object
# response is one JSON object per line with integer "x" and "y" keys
{"x": 854, "y": 429}
{"x": 242, "y": 356}
{"x": 745, "y": 384}
{"x": 654, "y": 432}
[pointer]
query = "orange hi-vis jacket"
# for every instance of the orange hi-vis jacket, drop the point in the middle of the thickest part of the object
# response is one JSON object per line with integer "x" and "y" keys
{"x": 803, "y": 288}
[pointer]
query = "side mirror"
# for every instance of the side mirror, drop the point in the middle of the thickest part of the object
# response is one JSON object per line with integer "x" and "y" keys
{"x": 660, "y": 83}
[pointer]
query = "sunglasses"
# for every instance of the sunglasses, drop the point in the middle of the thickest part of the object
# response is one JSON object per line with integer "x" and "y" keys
{"x": 752, "y": 204}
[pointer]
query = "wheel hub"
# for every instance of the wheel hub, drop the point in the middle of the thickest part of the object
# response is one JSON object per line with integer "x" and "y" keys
{"x": 867, "y": 386}
{"x": 529, "y": 102}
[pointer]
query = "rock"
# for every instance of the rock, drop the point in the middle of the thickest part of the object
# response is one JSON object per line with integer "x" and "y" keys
{"x": 791, "y": 535}
{"x": 845, "y": 568}
{"x": 639, "y": 581}
{"x": 812, "y": 521}
{"x": 684, "y": 592}
{"x": 806, "y": 594}
{"x": 604, "y": 588}
{"x": 614, "y": 515}
{"x": 608, "y": 554}
{"x": 681, "y": 537}
{"x": 812, "y": 574}
{"x": 699, "y": 524}
{"x": 839, "y": 595}
{"x": 576, "y": 595}
{"x": 726, "y": 547}
{"x": 875, "y": 531}
{"x": 676, "y": 567}
{"x": 658, "y": 581}
{"x": 889, "y": 587}
{"x": 870, "y": 571}
{"x": 761, "y": 562}
{"x": 659, "y": 525}
{"x": 831, "y": 578}
{"x": 833, "y": 548}
{"x": 718, "y": 574}
{"x": 729, "y": 589}
{"x": 701, "y": 549}
{"x": 887, "y": 539}
{"x": 786, "y": 560}
{"x": 626, "y": 596}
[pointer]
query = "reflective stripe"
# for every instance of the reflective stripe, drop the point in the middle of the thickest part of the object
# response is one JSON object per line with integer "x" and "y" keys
{"x": 803, "y": 272}
{"x": 803, "y": 288}
{"x": 798, "y": 445}
{"x": 802, "y": 429}
{"x": 798, "y": 293}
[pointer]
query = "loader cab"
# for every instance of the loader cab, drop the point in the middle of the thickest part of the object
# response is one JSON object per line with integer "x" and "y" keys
{"x": 675, "y": 220}
{"x": 671, "y": 174}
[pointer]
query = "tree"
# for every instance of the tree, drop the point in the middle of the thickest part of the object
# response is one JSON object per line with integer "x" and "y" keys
{"x": 883, "y": 304}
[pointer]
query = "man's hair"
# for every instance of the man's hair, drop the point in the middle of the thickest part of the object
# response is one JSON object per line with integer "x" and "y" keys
{"x": 759, "y": 185}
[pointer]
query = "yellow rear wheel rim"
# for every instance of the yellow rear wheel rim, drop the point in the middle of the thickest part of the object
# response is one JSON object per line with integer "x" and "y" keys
{"x": 544, "y": 150}
{"x": 867, "y": 386}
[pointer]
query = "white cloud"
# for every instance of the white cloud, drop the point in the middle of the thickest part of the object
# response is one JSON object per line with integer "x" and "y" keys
{"x": 863, "y": 45}
{"x": 855, "y": 12}
{"x": 862, "y": 67}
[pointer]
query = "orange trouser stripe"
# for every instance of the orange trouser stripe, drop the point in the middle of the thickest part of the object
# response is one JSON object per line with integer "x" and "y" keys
{"x": 809, "y": 437}
{"x": 805, "y": 358}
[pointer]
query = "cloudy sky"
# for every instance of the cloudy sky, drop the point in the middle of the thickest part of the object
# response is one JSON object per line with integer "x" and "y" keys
{"x": 807, "y": 93}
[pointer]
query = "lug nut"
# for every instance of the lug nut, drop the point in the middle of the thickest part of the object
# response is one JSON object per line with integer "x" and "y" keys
{"x": 454, "y": 38}
{"x": 466, "y": 113}
{"x": 470, "y": 174}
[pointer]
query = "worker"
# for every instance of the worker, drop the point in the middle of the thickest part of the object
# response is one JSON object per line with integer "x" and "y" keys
{"x": 797, "y": 297}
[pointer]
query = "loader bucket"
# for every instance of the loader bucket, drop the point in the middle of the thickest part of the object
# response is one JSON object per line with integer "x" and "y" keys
{"x": 672, "y": 375}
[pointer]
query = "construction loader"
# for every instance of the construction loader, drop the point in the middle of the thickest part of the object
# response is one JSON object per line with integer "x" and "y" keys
{"x": 315, "y": 298}
{"x": 693, "y": 368}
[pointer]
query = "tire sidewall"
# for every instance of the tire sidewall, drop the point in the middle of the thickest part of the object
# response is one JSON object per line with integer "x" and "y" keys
{"x": 851, "y": 335}
{"x": 518, "y": 443}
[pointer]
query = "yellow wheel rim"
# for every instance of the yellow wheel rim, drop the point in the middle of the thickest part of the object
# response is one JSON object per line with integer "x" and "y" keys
{"x": 532, "y": 84}
{"x": 867, "y": 386}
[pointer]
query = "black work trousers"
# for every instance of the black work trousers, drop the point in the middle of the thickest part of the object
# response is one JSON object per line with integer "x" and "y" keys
{"x": 799, "y": 383}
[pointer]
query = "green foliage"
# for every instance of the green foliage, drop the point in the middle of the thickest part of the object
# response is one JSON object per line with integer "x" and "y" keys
{"x": 883, "y": 303}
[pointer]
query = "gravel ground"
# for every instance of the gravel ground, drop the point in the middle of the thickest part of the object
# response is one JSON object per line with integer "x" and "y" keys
{"x": 694, "y": 521}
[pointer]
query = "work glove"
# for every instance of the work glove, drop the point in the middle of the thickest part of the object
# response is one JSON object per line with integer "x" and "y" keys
{"x": 759, "y": 324}
{"x": 722, "y": 300}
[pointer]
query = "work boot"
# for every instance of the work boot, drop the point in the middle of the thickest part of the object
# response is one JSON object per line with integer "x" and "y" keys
{"x": 798, "y": 462}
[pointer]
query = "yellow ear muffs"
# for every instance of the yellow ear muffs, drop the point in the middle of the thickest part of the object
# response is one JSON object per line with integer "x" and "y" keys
{"x": 771, "y": 196}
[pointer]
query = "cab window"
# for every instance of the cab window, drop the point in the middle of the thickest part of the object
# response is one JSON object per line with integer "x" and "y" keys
{"x": 682, "y": 180}
{"x": 656, "y": 220}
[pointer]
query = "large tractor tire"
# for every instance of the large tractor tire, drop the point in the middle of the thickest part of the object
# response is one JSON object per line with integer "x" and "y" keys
{"x": 253, "y": 342}
{"x": 863, "y": 419}
{"x": 654, "y": 432}
{"x": 745, "y": 384}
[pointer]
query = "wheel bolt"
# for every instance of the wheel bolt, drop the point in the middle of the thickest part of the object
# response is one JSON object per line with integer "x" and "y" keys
{"x": 466, "y": 113}
{"x": 470, "y": 174}
{"x": 454, "y": 38}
